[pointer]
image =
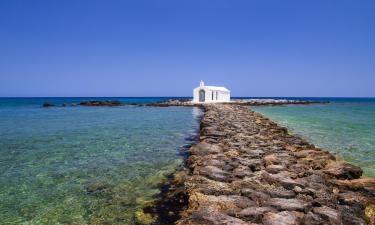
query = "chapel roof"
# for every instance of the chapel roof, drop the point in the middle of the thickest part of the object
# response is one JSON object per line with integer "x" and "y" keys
{"x": 215, "y": 88}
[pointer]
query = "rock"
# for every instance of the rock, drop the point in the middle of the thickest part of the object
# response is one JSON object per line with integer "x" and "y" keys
{"x": 312, "y": 219}
{"x": 209, "y": 187}
{"x": 283, "y": 179}
{"x": 202, "y": 149}
{"x": 144, "y": 218}
{"x": 352, "y": 214}
{"x": 256, "y": 196}
{"x": 223, "y": 202}
{"x": 255, "y": 213}
{"x": 333, "y": 215}
{"x": 367, "y": 184}
{"x": 242, "y": 171}
{"x": 280, "y": 192}
{"x": 343, "y": 170}
{"x": 47, "y": 104}
{"x": 351, "y": 198}
{"x": 100, "y": 103}
{"x": 281, "y": 218}
{"x": 212, "y": 216}
{"x": 370, "y": 213}
{"x": 249, "y": 170}
{"x": 278, "y": 159}
{"x": 288, "y": 204}
{"x": 96, "y": 186}
{"x": 214, "y": 173}
{"x": 275, "y": 168}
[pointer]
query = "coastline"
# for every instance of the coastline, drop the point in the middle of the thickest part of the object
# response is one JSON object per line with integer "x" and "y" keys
{"x": 246, "y": 169}
{"x": 175, "y": 190}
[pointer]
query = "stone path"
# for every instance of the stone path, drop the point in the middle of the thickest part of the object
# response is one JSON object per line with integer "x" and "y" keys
{"x": 248, "y": 170}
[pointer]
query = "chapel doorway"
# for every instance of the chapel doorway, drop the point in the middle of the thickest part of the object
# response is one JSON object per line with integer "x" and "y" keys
{"x": 202, "y": 96}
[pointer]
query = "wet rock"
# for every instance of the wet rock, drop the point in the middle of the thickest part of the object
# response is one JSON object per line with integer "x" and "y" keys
{"x": 343, "y": 170}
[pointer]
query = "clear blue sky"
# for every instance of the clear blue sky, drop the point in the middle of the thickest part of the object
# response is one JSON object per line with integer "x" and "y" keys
{"x": 165, "y": 47}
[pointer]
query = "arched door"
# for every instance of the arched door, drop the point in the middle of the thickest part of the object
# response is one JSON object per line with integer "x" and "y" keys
{"x": 202, "y": 96}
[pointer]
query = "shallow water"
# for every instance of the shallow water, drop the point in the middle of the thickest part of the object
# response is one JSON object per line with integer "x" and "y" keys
{"x": 83, "y": 165}
{"x": 345, "y": 127}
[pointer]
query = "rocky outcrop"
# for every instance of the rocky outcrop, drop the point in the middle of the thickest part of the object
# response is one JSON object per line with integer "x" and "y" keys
{"x": 47, "y": 104}
{"x": 248, "y": 102}
{"x": 248, "y": 170}
{"x": 186, "y": 102}
{"x": 86, "y": 103}
{"x": 100, "y": 103}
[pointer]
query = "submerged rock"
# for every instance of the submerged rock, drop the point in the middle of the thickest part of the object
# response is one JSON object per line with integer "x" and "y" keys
{"x": 96, "y": 186}
{"x": 144, "y": 218}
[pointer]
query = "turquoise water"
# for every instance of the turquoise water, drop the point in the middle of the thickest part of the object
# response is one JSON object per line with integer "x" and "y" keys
{"x": 345, "y": 127}
{"x": 84, "y": 165}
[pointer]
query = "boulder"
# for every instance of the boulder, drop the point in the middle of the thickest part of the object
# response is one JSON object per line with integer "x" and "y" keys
{"x": 211, "y": 216}
{"x": 47, "y": 104}
{"x": 343, "y": 170}
{"x": 255, "y": 213}
{"x": 214, "y": 173}
{"x": 203, "y": 148}
{"x": 288, "y": 204}
{"x": 332, "y": 215}
{"x": 282, "y": 218}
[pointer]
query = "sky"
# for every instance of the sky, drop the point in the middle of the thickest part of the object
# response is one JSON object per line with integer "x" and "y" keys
{"x": 165, "y": 47}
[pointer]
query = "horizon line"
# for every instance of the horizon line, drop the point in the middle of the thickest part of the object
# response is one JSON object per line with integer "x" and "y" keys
{"x": 183, "y": 97}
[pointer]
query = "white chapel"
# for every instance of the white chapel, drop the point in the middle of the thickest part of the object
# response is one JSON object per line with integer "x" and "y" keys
{"x": 210, "y": 94}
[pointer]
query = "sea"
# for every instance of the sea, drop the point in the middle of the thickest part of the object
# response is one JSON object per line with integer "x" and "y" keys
{"x": 102, "y": 165}
{"x": 344, "y": 126}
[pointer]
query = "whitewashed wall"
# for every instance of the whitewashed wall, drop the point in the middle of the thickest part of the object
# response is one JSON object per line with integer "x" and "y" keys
{"x": 221, "y": 95}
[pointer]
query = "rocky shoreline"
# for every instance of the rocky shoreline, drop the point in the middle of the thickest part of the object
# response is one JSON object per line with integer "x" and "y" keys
{"x": 244, "y": 102}
{"x": 248, "y": 170}
{"x": 186, "y": 102}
